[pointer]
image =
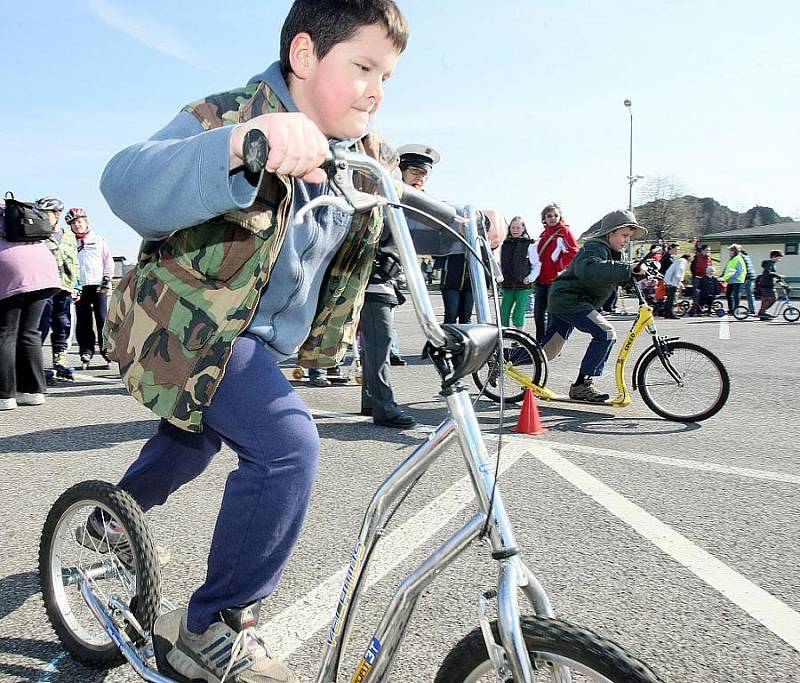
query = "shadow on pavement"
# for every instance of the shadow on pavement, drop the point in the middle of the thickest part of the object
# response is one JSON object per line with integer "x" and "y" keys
{"x": 50, "y": 653}
{"x": 328, "y": 428}
{"x": 16, "y": 589}
{"x": 73, "y": 390}
{"x": 78, "y": 439}
{"x": 609, "y": 421}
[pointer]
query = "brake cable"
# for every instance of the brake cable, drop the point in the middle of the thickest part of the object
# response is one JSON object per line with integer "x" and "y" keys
{"x": 500, "y": 358}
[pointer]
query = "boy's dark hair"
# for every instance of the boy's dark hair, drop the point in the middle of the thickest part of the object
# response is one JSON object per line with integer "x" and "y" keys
{"x": 700, "y": 247}
{"x": 775, "y": 252}
{"x": 330, "y": 22}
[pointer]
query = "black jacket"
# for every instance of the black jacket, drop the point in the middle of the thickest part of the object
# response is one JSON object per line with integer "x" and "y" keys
{"x": 514, "y": 262}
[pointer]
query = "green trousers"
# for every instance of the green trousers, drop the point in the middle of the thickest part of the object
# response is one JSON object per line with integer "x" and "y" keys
{"x": 515, "y": 301}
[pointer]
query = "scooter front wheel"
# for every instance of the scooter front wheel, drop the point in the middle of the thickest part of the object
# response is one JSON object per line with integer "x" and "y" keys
{"x": 554, "y": 647}
{"x": 689, "y": 384}
{"x": 791, "y": 314}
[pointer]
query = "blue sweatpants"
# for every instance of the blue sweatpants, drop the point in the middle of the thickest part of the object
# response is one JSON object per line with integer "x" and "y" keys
{"x": 256, "y": 412}
{"x": 57, "y": 320}
{"x": 559, "y": 329}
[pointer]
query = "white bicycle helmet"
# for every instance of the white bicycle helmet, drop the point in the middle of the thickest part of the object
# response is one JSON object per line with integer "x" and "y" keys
{"x": 49, "y": 204}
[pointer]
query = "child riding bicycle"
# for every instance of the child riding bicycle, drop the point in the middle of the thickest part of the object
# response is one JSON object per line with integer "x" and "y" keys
{"x": 225, "y": 289}
{"x": 578, "y": 293}
{"x": 768, "y": 279}
{"x": 709, "y": 288}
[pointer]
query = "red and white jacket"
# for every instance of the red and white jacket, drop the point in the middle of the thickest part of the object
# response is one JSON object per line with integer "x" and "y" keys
{"x": 556, "y": 248}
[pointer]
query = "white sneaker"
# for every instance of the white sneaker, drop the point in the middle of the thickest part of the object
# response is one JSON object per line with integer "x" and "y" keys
{"x": 8, "y": 403}
{"x": 30, "y": 399}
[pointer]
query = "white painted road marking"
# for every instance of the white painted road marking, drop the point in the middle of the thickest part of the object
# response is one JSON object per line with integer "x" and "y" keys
{"x": 51, "y": 667}
{"x": 724, "y": 329}
{"x": 778, "y": 617}
{"x": 96, "y": 379}
{"x": 673, "y": 462}
{"x": 524, "y": 441}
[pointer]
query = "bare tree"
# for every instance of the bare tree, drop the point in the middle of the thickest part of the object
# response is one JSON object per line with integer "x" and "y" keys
{"x": 662, "y": 208}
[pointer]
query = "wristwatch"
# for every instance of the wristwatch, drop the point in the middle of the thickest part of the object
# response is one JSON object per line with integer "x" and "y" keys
{"x": 255, "y": 150}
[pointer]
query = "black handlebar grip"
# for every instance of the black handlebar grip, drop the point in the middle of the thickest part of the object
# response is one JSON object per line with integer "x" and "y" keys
{"x": 255, "y": 150}
{"x": 421, "y": 201}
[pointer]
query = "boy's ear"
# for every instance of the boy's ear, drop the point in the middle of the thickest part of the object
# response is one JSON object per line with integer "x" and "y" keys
{"x": 301, "y": 55}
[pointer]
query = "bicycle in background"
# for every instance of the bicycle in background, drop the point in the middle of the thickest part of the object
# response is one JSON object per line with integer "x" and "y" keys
{"x": 782, "y": 307}
{"x": 678, "y": 380}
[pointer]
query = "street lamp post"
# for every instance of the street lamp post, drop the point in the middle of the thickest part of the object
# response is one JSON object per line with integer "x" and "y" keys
{"x": 631, "y": 178}
{"x": 627, "y": 103}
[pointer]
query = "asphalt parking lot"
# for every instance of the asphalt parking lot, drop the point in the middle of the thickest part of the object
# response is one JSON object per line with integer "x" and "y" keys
{"x": 678, "y": 541}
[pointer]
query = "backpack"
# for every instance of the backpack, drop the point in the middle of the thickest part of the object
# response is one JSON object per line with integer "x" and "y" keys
{"x": 24, "y": 222}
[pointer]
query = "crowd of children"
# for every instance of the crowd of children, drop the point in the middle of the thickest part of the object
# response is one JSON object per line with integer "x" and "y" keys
{"x": 41, "y": 280}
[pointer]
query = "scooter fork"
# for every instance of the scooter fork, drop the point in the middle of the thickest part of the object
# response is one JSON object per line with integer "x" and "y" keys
{"x": 496, "y": 653}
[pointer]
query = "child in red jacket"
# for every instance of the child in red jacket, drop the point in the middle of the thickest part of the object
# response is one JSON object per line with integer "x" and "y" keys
{"x": 556, "y": 248}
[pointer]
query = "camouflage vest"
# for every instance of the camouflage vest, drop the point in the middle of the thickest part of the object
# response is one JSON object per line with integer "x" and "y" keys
{"x": 65, "y": 252}
{"x": 173, "y": 319}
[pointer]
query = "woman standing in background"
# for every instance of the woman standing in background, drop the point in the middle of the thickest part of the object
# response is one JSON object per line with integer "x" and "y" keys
{"x": 28, "y": 278}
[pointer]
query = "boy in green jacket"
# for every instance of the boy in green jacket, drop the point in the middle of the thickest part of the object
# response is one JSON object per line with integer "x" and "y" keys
{"x": 578, "y": 293}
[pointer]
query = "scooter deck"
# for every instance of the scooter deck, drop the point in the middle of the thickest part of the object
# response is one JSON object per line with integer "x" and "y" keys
{"x": 165, "y": 635}
{"x": 545, "y": 394}
{"x": 563, "y": 398}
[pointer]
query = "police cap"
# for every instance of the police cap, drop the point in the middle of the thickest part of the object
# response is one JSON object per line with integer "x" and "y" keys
{"x": 423, "y": 156}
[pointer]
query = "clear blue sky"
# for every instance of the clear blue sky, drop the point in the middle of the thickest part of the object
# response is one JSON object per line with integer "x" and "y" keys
{"x": 524, "y": 100}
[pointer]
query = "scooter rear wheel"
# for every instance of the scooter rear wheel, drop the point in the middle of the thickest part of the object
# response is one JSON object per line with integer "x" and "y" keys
{"x": 123, "y": 565}
{"x": 525, "y": 355}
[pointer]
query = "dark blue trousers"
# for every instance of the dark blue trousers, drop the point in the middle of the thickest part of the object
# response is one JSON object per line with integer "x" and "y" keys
{"x": 256, "y": 412}
{"x": 560, "y": 327}
{"x": 57, "y": 319}
{"x": 734, "y": 295}
{"x": 458, "y": 305}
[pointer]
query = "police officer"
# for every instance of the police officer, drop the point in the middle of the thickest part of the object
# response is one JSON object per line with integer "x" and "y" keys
{"x": 382, "y": 295}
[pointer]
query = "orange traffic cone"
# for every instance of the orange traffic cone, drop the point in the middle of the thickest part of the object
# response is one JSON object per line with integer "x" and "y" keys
{"x": 529, "y": 422}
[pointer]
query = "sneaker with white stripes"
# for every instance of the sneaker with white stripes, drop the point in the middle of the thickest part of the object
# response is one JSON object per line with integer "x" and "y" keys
{"x": 223, "y": 654}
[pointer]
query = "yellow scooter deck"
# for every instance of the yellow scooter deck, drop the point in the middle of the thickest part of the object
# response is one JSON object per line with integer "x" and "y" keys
{"x": 619, "y": 401}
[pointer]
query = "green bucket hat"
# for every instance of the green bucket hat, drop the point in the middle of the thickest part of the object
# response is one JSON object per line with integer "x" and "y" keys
{"x": 621, "y": 218}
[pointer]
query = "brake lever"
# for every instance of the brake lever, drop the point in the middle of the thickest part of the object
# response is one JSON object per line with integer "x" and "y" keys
{"x": 347, "y": 199}
{"x": 342, "y": 181}
{"x": 324, "y": 200}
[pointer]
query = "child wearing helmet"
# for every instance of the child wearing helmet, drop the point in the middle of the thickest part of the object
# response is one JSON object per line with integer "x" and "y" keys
{"x": 96, "y": 271}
